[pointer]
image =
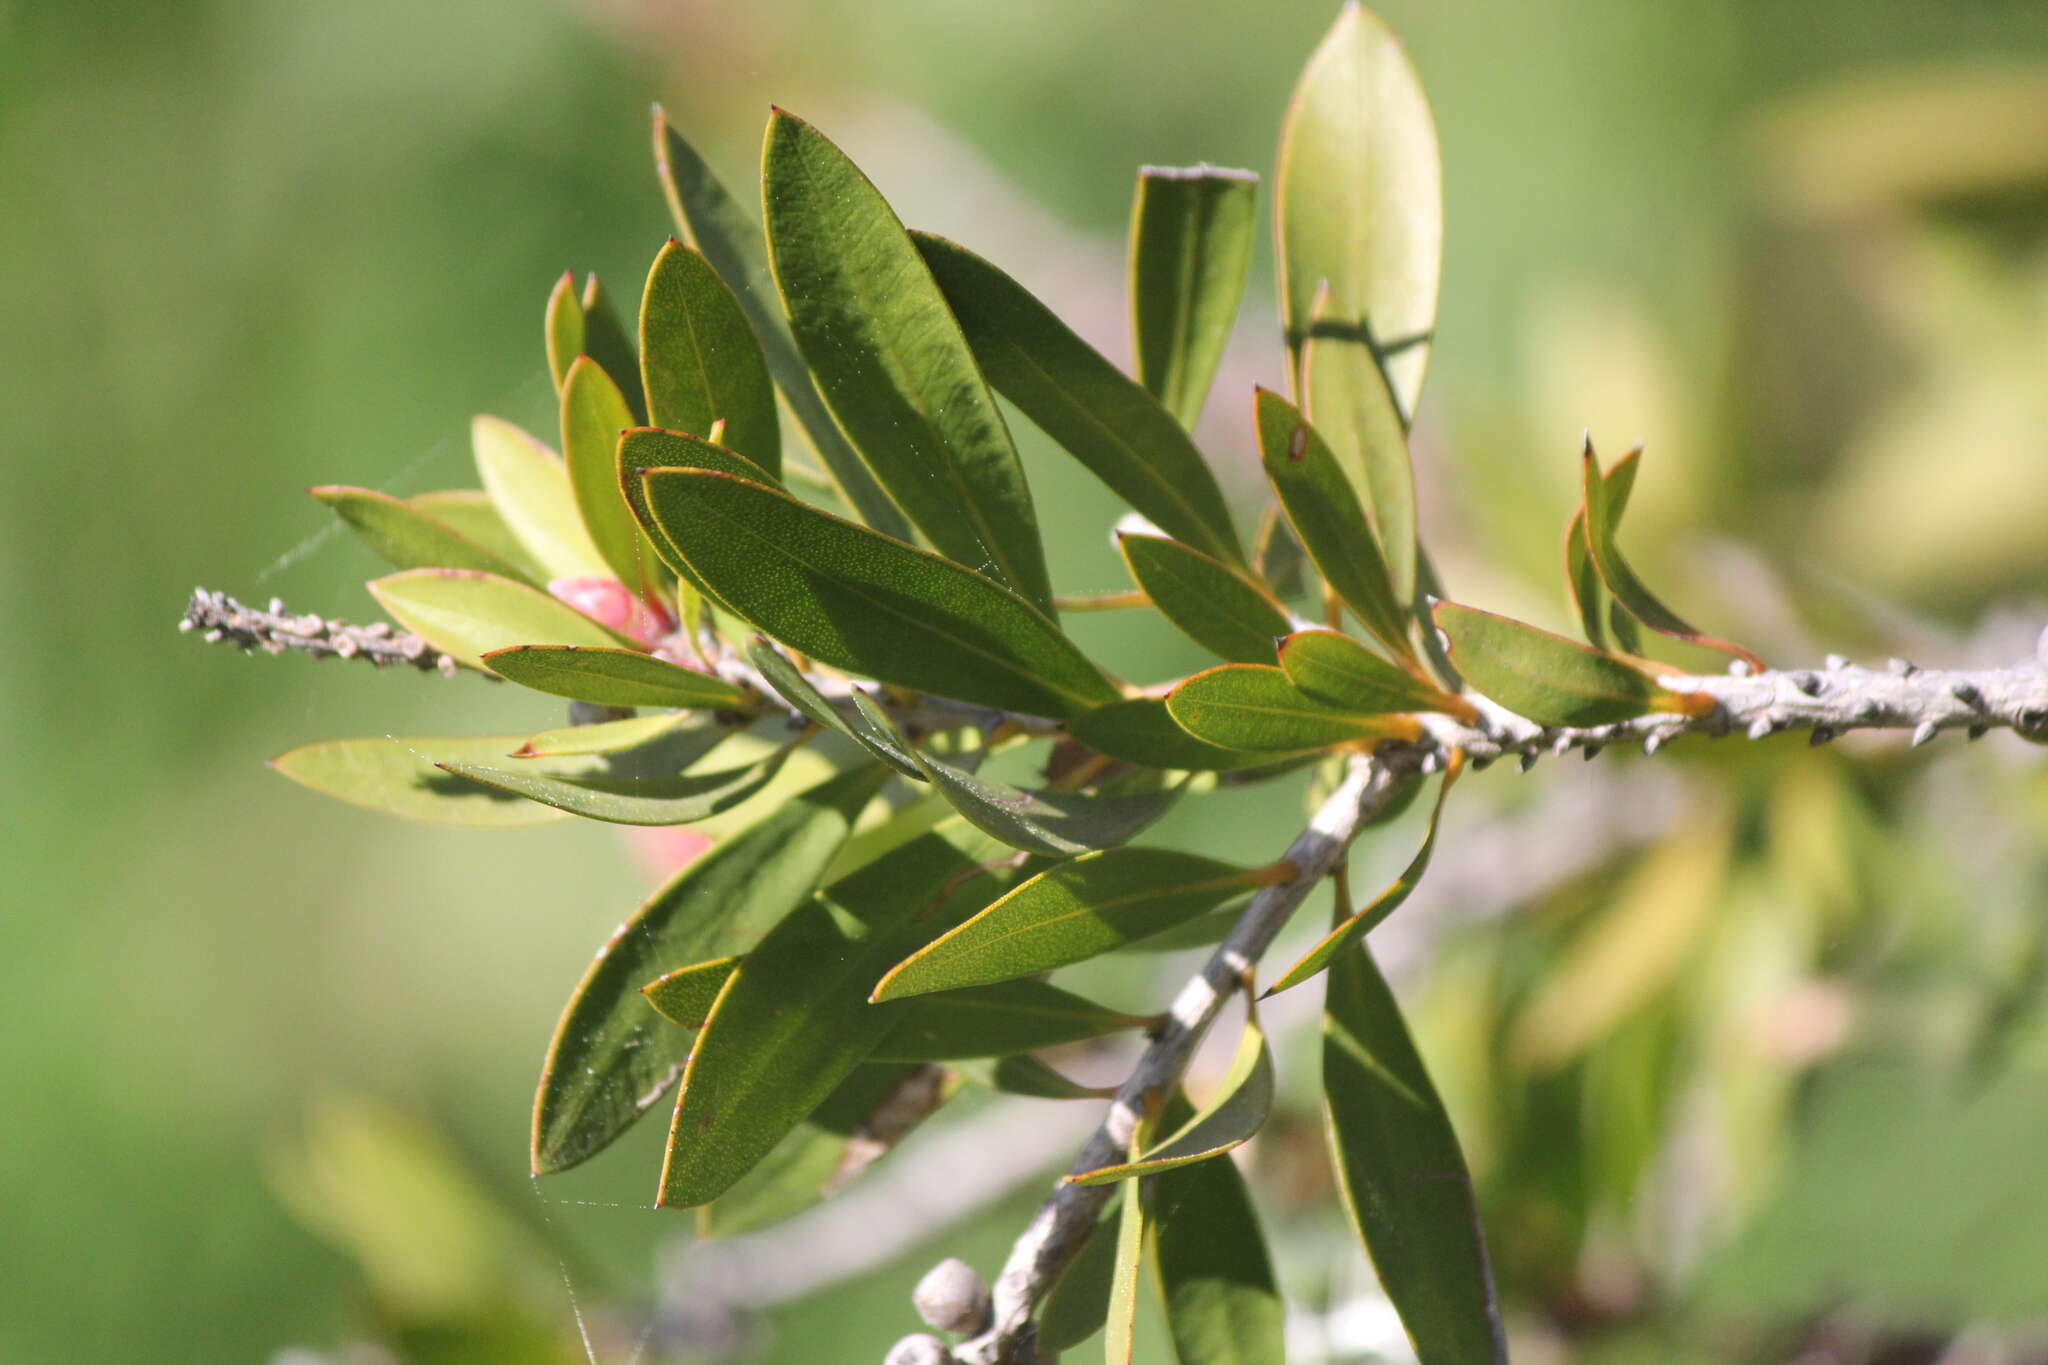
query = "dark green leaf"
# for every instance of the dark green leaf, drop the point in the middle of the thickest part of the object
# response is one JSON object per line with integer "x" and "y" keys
{"x": 399, "y": 777}
{"x": 1222, "y": 1306}
{"x": 1348, "y": 400}
{"x": 891, "y": 362}
{"x": 1602, "y": 516}
{"x": 614, "y": 677}
{"x": 700, "y": 361}
{"x": 1244, "y": 1100}
{"x": 594, "y": 412}
{"x": 1253, "y": 707}
{"x": 1139, "y": 730}
{"x": 1100, "y": 416}
{"x": 1403, "y": 1177}
{"x": 684, "y": 996}
{"x": 717, "y": 225}
{"x": 1589, "y": 599}
{"x": 1278, "y": 555}
{"x": 471, "y": 513}
{"x": 1547, "y": 678}
{"x": 794, "y": 1019}
{"x": 998, "y": 1021}
{"x": 1191, "y": 241}
{"x": 612, "y": 1056}
{"x": 530, "y": 490}
{"x": 1331, "y": 667}
{"x": 678, "y": 799}
{"x": 864, "y": 725}
{"x": 1359, "y": 196}
{"x": 606, "y": 341}
{"x": 1025, "y": 1075}
{"x": 1055, "y": 823}
{"x": 1210, "y": 602}
{"x": 645, "y": 448}
{"x": 1356, "y": 926}
{"x": 406, "y": 537}
{"x": 564, "y": 327}
{"x": 1326, "y": 515}
{"x": 1084, "y": 906}
{"x": 468, "y": 614}
{"x": 855, "y": 599}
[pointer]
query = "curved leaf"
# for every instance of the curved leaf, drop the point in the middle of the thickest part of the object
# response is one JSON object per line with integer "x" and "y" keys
{"x": 1191, "y": 243}
{"x": 1386, "y": 903}
{"x": 855, "y": 599}
{"x": 408, "y": 537}
{"x": 1255, "y": 707}
{"x": 607, "y": 342}
{"x": 1048, "y": 821}
{"x": 1140, "y": 730}
{"x": 400, "y": 777}
{"x": 700, "y": 361}
{"x": 865, "y": 725}
{"x": 564, "y": 329}
{"x": 1244, "y": 1100}
{"x": 1326, "y": 515}
{"x": 731, "y": 240}
{"x": 471, "y": 514}
{"x": 610, "y": 736}
{"x": 1403, "y": 1178}
{"x": 1120, "y": 1315}
{"x": 1345, "y": 393}
{"x": 647, "y": 448}
{"x": 676, "y": 799}
{"x": 890, "y": 360}
{"x": 1024, "y": 1074}
{"x": 793, "y": 1021}
{"x": 684, "y": 996}
{"x": 1085, "y": 906}
{"x": 1359, "y": 197}
{"x": 1208, "y": 601}
{"x": 1094, "y": 411}
{"x": 997, "y": 1021}
{"x": 1222, "y": 1305}
{"x": 611, "y": 1056}
{"x": 614, "y": 677}
{"x": 1331, "y": 667}
{"x": 1589, "y": 598}
{"x": 1549, "y": 679}
{"x": 468, "y": 614}
{"x": 530, "y": 489}
{"x": 594, "y": 412}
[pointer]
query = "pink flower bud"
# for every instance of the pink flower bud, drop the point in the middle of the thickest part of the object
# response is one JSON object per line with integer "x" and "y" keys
{"x": 608, "y": 602}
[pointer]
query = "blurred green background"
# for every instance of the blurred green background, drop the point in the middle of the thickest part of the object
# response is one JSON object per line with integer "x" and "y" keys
{"x": 253, "y": 245}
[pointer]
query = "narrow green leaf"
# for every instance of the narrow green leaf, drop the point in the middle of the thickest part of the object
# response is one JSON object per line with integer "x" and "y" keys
{"x": 1359, "y": 197}
{"x": 1140, "y": 730}
{"x": 1024, "y": 1075}
{"x": 1222, "y": 1305}
{"x": 1589, "y": 599}
{"x": 606, "y": 341}
{"x": 564, "y": 327}
{"x": 717, "y": 225}
{"x": 1069, "y": 913}
{"x": 609, "y": 736}
{"x": 1055, "y": 823}
{"x": 1254, "y": 707}
{"x": 646, "y": 448}
{"x": 1402, "y": 1175}
{"x": 890, "y": 360}
{"x": 1602, "y": 516}
{"x": 611, "y": 1056}
{"x": 685, "y": 996}
{"x": 1078, "y": 1305}
{"x": 855, "y": 599}
{"x": 1363, "y": 922}
{"x": 530, "y": 489}
{"x": 864, "y": 725}
{"x": 1099, "y": 415}
{"x": 615, "y": 677}
{"x": 399, "y": 777}
{"x": 794, "y": 1019}
{"x": 1326, "y": 515}
{"x": 594, "y": 413}
{"x": 406, "y": 537}
{"x": 998, "y": 1021}
{"x": 700, "y": 361}
{"x": 1346, "y": 396}
{"x": 1120, "y": 1319}
{"x": 471, "y": 513}
{"x": 468, "y": 614}
{"x": 1211, "y": 603}
{"x": 1547, "y": 678}
{"x": 1191, "y": 243}
{"x": 1331, "y": 667}
{"x": 676, "y": 799}
{"x": 1244, "y": 1100}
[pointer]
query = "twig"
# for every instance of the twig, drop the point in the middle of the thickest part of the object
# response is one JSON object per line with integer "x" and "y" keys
{"x": 276, "y": 630}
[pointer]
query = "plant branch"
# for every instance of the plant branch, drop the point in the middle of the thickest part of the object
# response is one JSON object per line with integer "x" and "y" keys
{"x": 275, "y": 630}
{"x": 1062, "y": 1224}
